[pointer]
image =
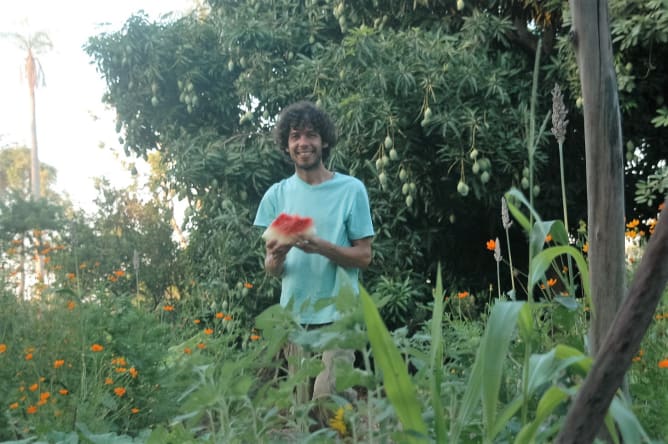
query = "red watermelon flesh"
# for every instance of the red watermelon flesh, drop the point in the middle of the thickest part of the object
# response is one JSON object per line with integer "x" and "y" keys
{"x": 287, "y": 228}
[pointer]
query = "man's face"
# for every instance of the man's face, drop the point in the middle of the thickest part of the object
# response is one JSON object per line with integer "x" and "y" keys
{"x": 305, "y": 148}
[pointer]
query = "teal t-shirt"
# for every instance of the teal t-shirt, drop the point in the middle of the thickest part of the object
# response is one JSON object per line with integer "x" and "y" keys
{"x": 340, "y": 211}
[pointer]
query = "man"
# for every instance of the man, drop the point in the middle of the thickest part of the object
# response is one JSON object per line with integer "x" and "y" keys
{"x": 311, "y": 268}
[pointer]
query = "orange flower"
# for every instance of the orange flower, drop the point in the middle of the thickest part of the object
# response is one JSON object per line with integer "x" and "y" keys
{"x": 3, "y": 348}
{"x": 197, "y": 321}
{"x": 201, "y": 346}
{"x": 227, "y": 318}
{"x": 33, "y": 387}
{"x": 41, "y": 402}
{"x": 585, "y": 247}
{"x": 463, "y": 294}
{"x": 219, "y": 315}
{"x": 134, "y": 410}
{"x": 119, "y": 361}
{"x": 96, "y": 348}
{"x": 208, "y": 331}
{"x": 661, "y": 205}
{"x": 120, "y": 391}
{"x": 663, "y": 363}
{"x": 551, "y": 282}
{"x": 108, "y": 381}
{"x": 634, "y": 223}
{"x": 121, "y": 370}
{"x": 82, "y": 266}
{"x": 44, "y": 396}
{"x": 548, "y": 238}
{"x": 31, "y": 410}
{"x": 248, "y": 285}
{"x": 71, "y": 305}
{"x": 63, "y": 391}
{"x": 119, "y": 273}
{"x": 133, "y": 372}
{"x": 187, "y": 350}
{"x": 14, "y": 405}
{"x": 168, "y": 308}
{"x": 255, "y": 337}
{"x": 71, "y": 276}
{"x": 28, "y": 356}
{"x": 58, "y": 363}
{"x": 491, "y": 245}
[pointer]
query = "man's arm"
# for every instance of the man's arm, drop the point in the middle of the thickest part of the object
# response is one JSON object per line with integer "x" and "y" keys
{"x": 358, "y": 255}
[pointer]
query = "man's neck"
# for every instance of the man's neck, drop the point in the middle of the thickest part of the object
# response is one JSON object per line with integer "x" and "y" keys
{"x": 314, "y": 176}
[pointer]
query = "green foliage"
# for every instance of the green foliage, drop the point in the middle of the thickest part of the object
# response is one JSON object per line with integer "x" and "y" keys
{"x": 204, "y": 91}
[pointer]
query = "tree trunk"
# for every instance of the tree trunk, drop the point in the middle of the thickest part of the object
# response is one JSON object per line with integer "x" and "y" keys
{"x": 605, "y": 163}
{"x": 586, "y": 414}
{"x": 31, "y": 74}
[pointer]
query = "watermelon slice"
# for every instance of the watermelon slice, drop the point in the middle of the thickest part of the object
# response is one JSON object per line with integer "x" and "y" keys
{"x": 287, "y": 228}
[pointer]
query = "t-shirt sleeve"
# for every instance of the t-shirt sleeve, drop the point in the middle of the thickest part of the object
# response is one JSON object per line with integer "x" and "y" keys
{"x": 266, "y": 211}
{"x": 360, "y": 224}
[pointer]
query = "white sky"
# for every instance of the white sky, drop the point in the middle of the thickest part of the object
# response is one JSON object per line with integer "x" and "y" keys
{"x": 72, "y": 122}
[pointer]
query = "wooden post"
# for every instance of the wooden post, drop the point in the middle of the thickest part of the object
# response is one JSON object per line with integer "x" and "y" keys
{"x": 586, "y": 414}
{"x": 605, "y": 162}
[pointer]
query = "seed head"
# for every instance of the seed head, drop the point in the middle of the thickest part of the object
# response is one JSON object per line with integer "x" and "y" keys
{"x": 497, "y": 250}
{"x": 559, "y": 113}
{"x": 505, "y": 218}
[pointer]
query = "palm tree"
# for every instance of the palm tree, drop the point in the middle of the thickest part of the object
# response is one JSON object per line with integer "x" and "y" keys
{"x": 32, "y": 44}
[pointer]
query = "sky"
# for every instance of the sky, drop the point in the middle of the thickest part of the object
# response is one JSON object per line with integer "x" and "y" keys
{"x": 75, "y": 130}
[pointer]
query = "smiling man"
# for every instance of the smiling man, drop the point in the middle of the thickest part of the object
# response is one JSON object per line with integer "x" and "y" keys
{"x": 312, "y": 267}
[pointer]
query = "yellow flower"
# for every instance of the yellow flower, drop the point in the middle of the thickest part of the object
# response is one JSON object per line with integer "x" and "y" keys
{"x": 585, "y": 247}
{"x": 337, "y": 422}
{"x": 96, "y": 348}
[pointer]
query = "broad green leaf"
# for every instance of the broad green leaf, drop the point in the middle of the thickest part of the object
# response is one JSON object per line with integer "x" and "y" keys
{"x": 398, "y": 385}
{"x": 542, "y": 261}
{"x": 493, "y": 350}
{"x": 551, "y": 399}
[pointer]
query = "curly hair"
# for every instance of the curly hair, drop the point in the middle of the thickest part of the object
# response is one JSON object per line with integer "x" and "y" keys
{"x": 302, "y": 115}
